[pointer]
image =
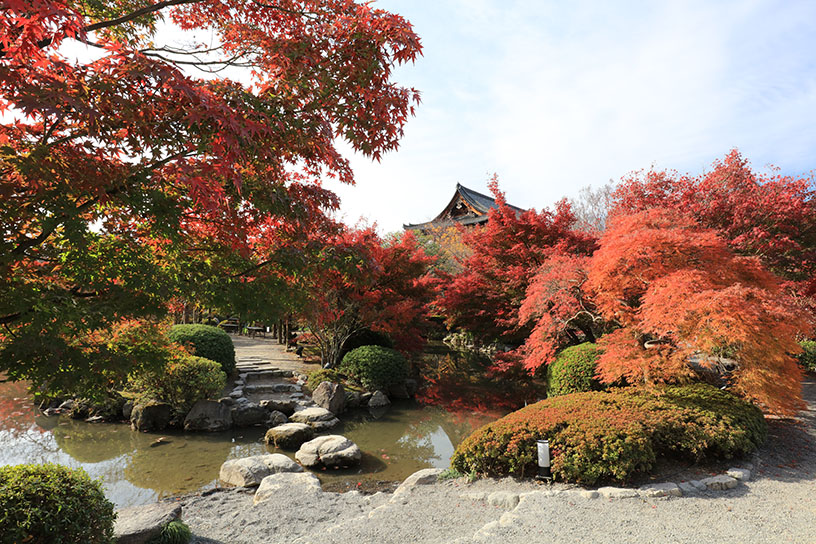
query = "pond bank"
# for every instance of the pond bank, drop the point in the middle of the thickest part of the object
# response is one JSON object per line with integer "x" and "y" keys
{"x": 140, "y": 468}
{"x": 777, "y": 504}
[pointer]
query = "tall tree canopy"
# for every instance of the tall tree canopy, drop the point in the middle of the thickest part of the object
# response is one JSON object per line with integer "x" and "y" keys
{"x": 127, "y": 181}
{"x": 769, "y": 216}
{"x": 363, "y": 282}
{"x": 506, "y": 254}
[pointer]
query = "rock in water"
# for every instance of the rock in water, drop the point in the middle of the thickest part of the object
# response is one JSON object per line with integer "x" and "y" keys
{"x": 249, "y": 414}
{"x": 319, "y": 418}
{"x": 330, "y": 451}
{"x": 378, "y": 400}
{"x": 276, "y": 418}
{"x": 289, "y": 435}
{"x": 286, "y": 486}
{"x": 153, "y": 416}
{"x": 353, "y": 399}
{"x": 140, "y": 524}
{"x": 286, "y": 406}
{"x": 208, "y": 415}
{"x": 331, "y": 396}
{"x": 398, "y": 391}
{"x": 249, "y": 471}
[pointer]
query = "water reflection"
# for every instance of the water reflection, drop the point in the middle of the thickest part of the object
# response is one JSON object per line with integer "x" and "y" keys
{"x": 137, "y": 468}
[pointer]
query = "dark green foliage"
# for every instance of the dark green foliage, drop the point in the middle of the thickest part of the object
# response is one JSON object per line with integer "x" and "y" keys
{"x": 53, "y": 504}
{"x": 573, "y": 371}
{"x": 365, "y": 337}
{"x": 375, "y": 367}
{"x": 181, "y": 383}
{"x": 206, "y": 341}
{"x": 807, "y": 359}
{"x": 323, "y": 375}
{"x": 611, "y": 435}
{"x": 175, "y": 532}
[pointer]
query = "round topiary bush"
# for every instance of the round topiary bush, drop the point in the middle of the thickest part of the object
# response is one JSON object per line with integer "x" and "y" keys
{"x": 181, "y": 383}
{"x": 53, "y": 504}
{"x": 611, "y": 435}
{"x": 365, "y": 337}
{"x": 573, "y": 371}
{"x": 375, "y": 367}
{"x": 208, "y": 342}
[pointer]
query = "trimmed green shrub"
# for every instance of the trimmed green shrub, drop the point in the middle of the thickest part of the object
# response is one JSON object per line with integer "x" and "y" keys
{"x": 365, "y": 337}
{"x": 175, "y": 532}
{"x": 316, "y": 377}
{"x": 53, "y": 504}
{"x": 611, "y": 435}
{"x": 807, "y": 359}
{"x": 375, "y": 367}
{"x": 183, "y": 381}
{"x": 573, "y": 371}
{"x": 208, "y": 342}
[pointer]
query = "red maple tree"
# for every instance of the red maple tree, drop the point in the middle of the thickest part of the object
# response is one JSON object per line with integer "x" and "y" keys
{"x": 363, "y": 282}
{"x": 506, "y": 254}
{"x": 138, "y": 172}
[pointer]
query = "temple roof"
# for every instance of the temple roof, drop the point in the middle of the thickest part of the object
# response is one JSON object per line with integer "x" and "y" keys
{"x": 467, "y": 207}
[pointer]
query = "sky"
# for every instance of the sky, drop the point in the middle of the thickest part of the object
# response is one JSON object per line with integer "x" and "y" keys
{"x": 553, "y": 96}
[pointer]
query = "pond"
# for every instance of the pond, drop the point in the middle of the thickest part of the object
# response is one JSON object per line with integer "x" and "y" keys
{"x": 136, "y": 468}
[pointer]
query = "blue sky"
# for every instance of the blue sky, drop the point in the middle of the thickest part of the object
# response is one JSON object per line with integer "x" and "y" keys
{"x": 553, "y": 96}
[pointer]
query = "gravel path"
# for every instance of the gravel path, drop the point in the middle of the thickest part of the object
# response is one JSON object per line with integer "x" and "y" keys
{"x": 777, "y": 505}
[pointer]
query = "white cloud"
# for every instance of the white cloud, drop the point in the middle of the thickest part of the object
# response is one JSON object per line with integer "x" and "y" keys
{"x": 556, "y": 95}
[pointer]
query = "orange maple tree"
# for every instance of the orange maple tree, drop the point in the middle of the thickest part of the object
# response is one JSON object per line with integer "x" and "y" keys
{"x": 767, "y": 215}
{"x": 686, "y": 303}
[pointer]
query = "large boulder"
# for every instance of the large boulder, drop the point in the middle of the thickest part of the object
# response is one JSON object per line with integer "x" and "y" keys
{"x": 398, "y": 391}
{"x": 319, "y": 418}
{"x": 127, "y": 409}
{"x": 209, "y": 416}
{"x": 150, "y": 416}
{"x": 276, "y": 418}
{"x": 249, "y": 471}
{"x": 353, "y": 399}
{"x": 287, "y": 485}
{"x": 329, "y": 451}
{"x": 378, "y": 400}
{"x": 331, "y": 396}
{"x": 140, "y": 524}
{"x": 248, "y": 414}
{"x": 287, "y": 406}
{"x": 412, "y": 387}
{"x": 289, "y": 435}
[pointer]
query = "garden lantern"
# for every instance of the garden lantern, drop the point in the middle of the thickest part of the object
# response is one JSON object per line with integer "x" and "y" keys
{"x": 544, "y": 471}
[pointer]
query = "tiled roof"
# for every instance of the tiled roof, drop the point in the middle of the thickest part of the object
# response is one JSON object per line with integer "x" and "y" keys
{"x": 478, "y": 201}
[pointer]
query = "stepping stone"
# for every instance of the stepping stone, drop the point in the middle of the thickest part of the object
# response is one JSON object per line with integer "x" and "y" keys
{"x": 667, "y": 489}
{"x": 140, "y": 524}
{"x": 250, "y": 471}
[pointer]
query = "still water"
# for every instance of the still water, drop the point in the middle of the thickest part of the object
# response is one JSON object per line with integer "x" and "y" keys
{"x": 136, "y": 469}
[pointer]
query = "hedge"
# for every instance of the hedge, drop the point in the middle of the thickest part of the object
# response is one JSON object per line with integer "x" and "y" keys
{"x": 208, "y": 342}
{"x": 181, "y": 383}
{"x": 573, "y": 371}
{"x": 612, "y": 435}
{"x": 375, "y": 367}
{"x": 53, "y": 504}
